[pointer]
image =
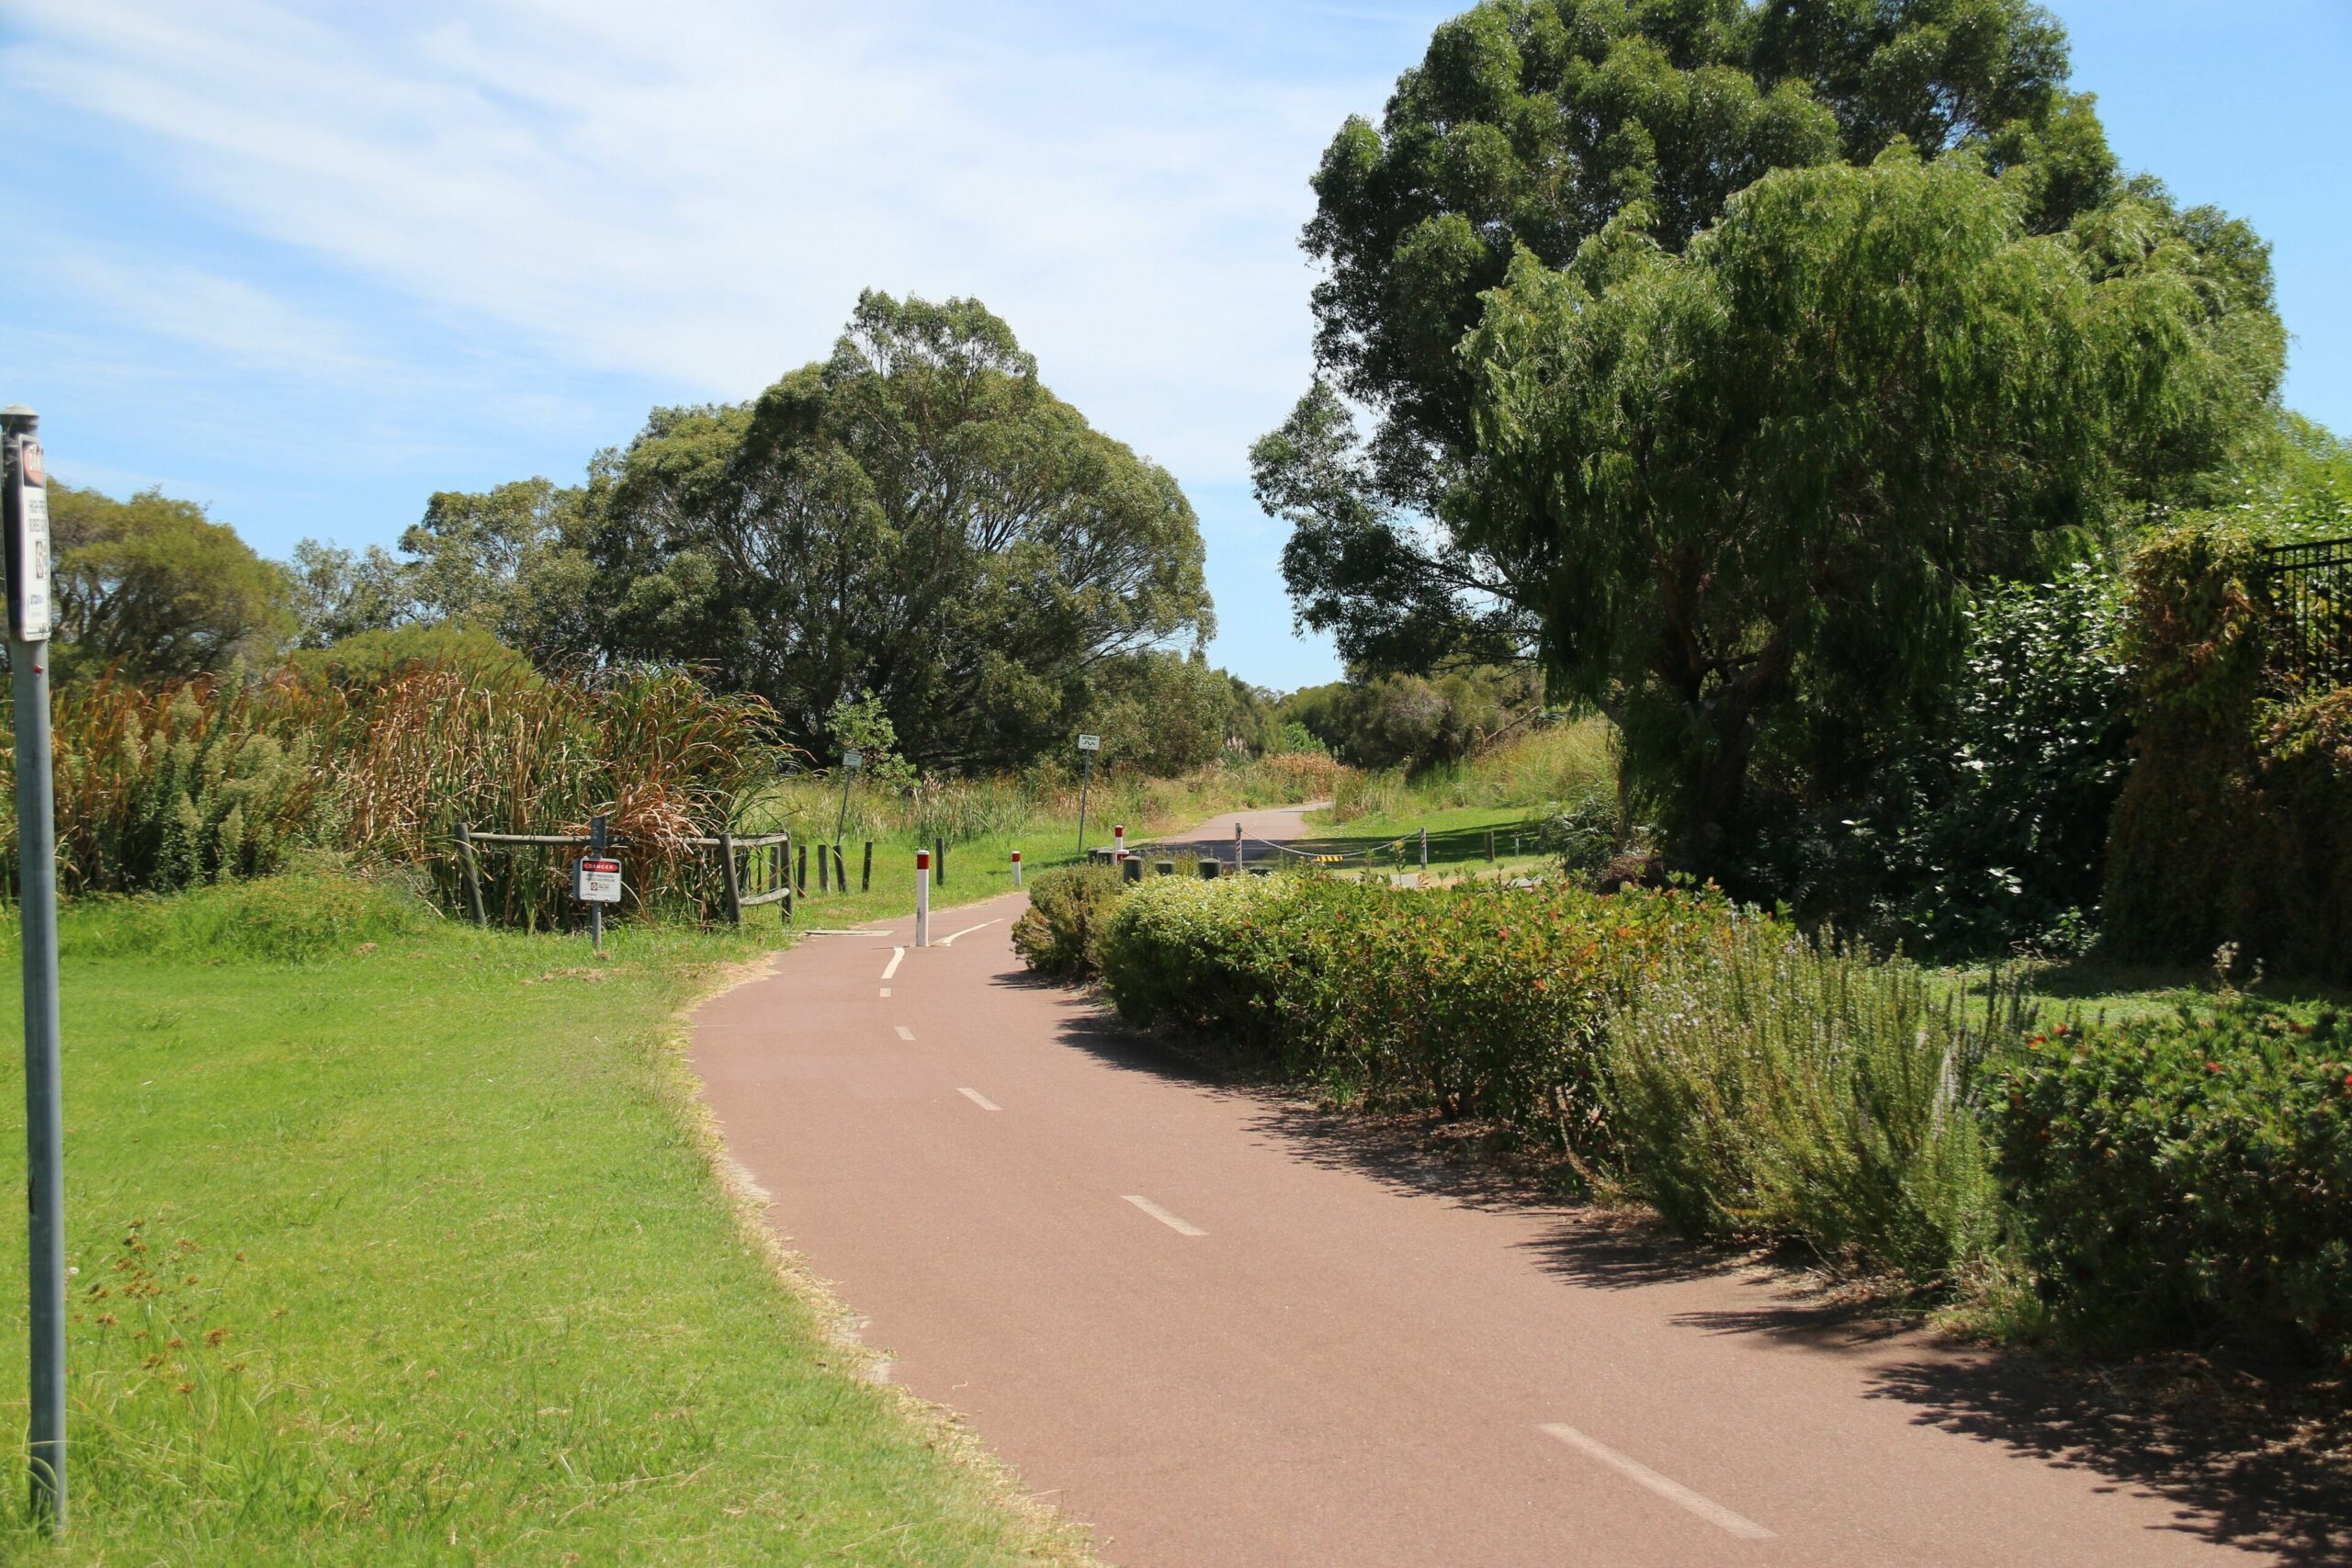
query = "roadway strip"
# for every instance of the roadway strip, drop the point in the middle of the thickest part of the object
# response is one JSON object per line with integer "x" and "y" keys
{"x": 1180, "y": 1227}
{"x": 892, "y": 968}
{"x": 949, "y": 940}
{"x": 982, "y": 1100}
{"x": 1673, "y": 1491}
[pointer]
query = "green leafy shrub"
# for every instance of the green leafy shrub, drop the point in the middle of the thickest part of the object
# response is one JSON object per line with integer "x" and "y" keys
{"x": 1766, "y": 1083}
{"x": 1067, "y": 909}
{"x": 1584, "y": 836}
{"x": 304, "y": 915}
{"x": 2188, "y": 1178}
{"x": 1470, "y": 1001}
{"x": 1205, "y": 956}
{"x": 2002, "y": 839}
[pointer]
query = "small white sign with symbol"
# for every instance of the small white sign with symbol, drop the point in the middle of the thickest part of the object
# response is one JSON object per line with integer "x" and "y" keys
{"x": 1089, "y": 743}
{"x": 596, "y": 881}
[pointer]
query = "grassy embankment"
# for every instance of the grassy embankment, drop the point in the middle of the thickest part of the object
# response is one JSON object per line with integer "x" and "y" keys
{"x": 1510, "y": 791}
{"x": 400, "y": 1242}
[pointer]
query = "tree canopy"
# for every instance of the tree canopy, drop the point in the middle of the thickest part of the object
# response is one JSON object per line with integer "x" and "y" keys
{"x": 915, "y": 520}
{"x": 917, "y": 517}
{"x": 1535, "y": 126}
{"x": 155, "y": 589}
{"x": 1746, "y": 485}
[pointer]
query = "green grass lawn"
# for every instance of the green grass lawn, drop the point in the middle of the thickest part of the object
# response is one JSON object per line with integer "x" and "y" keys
{"x": 413, "y": 1251}
{"x": 1458, "y": 837}
{"x": 2097, "y": 989}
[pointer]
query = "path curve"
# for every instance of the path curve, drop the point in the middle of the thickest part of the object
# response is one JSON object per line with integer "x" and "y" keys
{"x": 1222, "y": 1328}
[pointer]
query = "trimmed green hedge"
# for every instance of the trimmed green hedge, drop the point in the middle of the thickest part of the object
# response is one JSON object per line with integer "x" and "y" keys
{"x": 1057, "y": 933}
{"x": 2189, "y": 1178}
{"x": 2185, "y": 1179}
{"x": 1472, "y": 1001}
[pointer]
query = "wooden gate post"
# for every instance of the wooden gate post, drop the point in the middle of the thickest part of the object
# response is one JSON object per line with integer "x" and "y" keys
{"x": 474, "y": 871}
{"x": 734, "y": 888}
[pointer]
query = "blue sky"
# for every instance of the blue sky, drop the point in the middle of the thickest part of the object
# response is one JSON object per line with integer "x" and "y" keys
{"x": 308, "y": 263}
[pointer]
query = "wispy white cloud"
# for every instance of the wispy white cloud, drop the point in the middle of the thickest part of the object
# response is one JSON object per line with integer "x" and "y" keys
{"x": 698, "y": 198}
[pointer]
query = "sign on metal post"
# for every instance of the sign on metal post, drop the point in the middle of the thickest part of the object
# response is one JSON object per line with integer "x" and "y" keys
{"x": 922, "y": 897}
{"x": 851, "y": 762}
{"x": 595, "y": 881}
{"x": 1087, "y": 746}
{"x": 24, "y": 518}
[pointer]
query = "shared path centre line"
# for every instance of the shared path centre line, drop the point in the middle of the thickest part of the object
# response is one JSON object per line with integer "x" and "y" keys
{"x": 1365, "y": 1359}
{"x": 949, "y": 939}
{"x": 1673, "y": 1491}
{"x": 1181, "y": 1227}
{"x": 891, "y": 968}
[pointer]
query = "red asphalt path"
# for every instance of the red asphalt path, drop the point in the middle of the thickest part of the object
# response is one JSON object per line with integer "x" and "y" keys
{"x": 1209, "y": 1324}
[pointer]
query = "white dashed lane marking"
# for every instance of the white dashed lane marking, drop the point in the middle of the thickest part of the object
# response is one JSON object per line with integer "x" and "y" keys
{"x": 905, "y": 1033}
{"x": 892, "y": 968}
{"x": 1674, "y": 1491}
{"x": 1180, "y": 1227}
{"x": 968, "y": 931}
{"x": 982, "y": 1100}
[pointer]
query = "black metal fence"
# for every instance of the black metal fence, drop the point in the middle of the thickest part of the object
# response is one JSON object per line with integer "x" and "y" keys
{"x": 2311, "y": 588}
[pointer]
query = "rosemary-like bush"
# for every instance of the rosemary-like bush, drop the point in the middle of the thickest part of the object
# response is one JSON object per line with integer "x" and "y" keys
{"x": 1766, "y": 1083}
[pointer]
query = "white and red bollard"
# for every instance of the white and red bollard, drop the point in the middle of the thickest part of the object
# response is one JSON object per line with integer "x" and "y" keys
{"x": 1016, "y": 868}
{"x": 1118, "y": 842}
{"x": 922, "y": 897}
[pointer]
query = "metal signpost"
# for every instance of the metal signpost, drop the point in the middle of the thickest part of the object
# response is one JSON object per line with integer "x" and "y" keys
{"x": 24, "y": 513}
{"x": 1087, "y": 746}
{"x": 851, "y": 762}
{"x": 596, "y": 881}
{"x": 922, "y": 897}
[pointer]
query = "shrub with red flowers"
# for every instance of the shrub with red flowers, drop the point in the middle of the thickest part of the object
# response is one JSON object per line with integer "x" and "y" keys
{"x": 2188, "y": 1178}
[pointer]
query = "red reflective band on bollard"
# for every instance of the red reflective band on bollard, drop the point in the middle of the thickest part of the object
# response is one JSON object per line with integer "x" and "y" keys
{"x": 922, "y": 860}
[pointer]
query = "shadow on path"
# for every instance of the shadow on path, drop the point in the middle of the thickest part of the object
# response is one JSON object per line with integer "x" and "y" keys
{"x": 2263, "y": 1466}
{"x": 2258, "y": 1464}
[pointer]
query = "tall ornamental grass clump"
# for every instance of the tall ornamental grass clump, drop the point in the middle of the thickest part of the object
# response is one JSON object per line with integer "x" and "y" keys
{"x": 164, "y": 787}
{"x": 2189, "y": 1178}
{"x": 169, "y": 787}
{"x": 662, "y": 755}
{"x": 1768, "y": 1083}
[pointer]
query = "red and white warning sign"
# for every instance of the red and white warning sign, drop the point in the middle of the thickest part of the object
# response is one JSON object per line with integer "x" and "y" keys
{"x": 595, "y": 881}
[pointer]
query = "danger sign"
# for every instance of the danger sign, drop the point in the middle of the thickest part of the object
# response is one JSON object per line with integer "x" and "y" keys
{"x": 595, "y": 881}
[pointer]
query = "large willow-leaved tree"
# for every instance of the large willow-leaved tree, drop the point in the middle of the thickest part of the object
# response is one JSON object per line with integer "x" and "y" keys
{"x": 1746, "y": 485}
{"x": 1534, "y": 125}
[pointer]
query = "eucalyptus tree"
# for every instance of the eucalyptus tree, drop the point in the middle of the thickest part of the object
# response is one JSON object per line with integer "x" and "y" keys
{"x": 916, "y": 517}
